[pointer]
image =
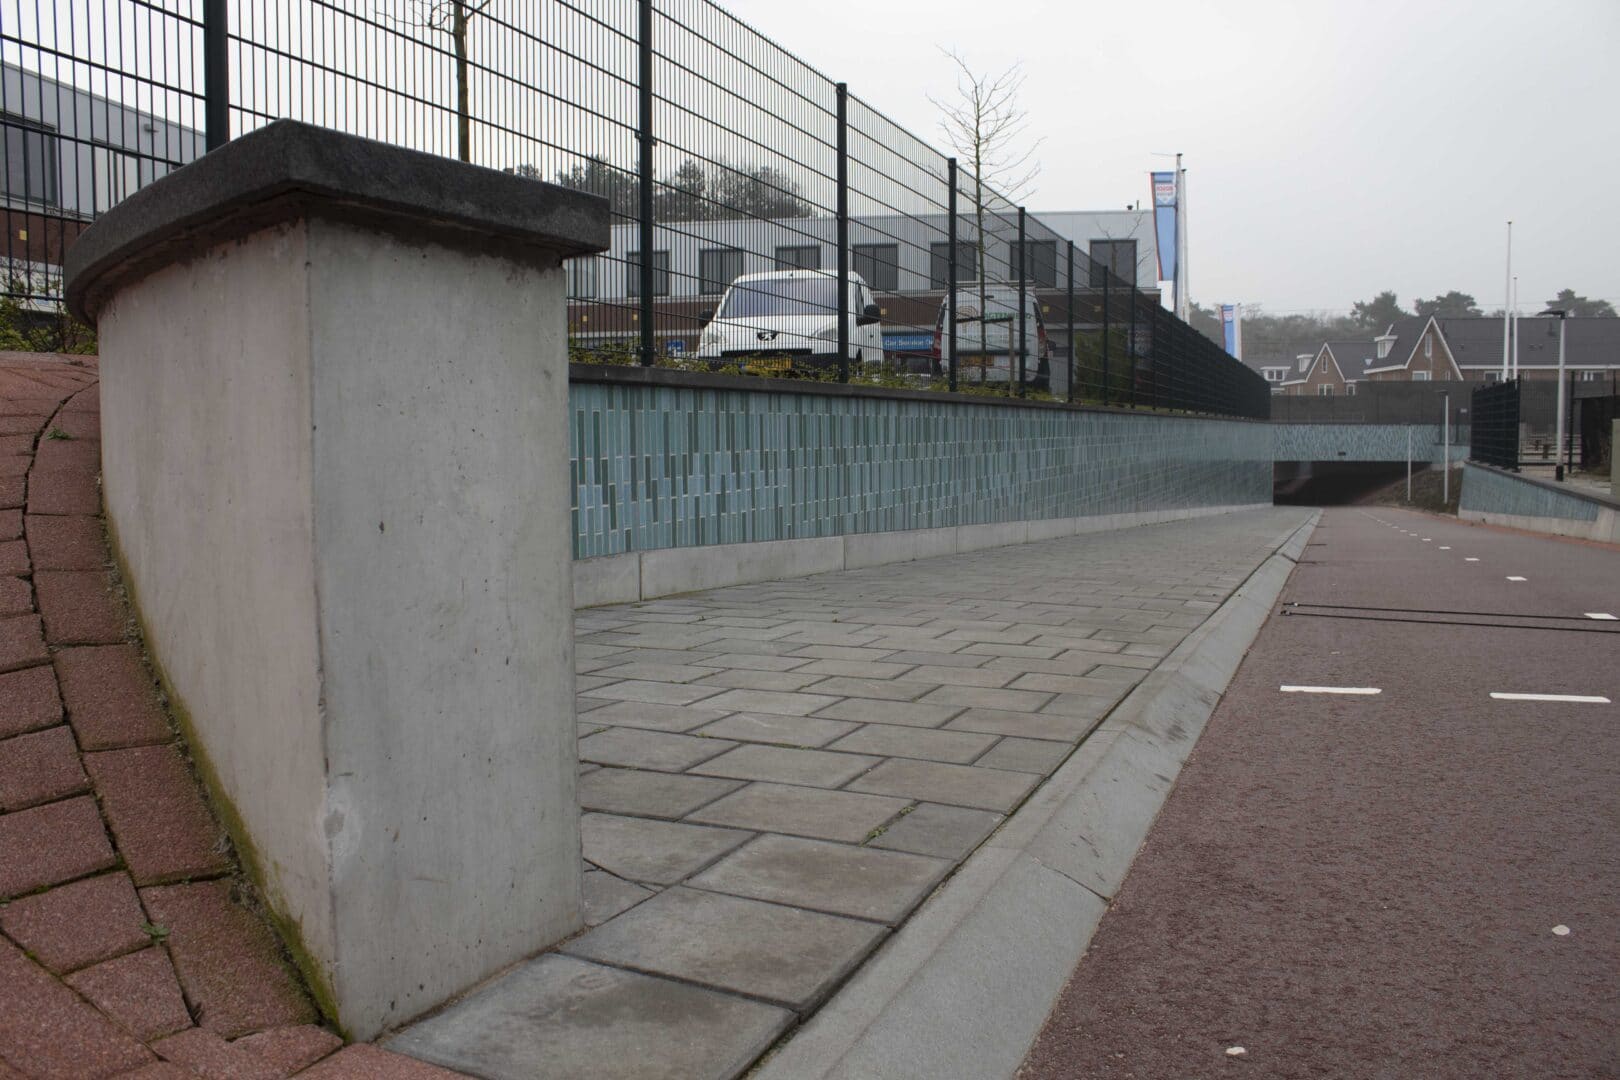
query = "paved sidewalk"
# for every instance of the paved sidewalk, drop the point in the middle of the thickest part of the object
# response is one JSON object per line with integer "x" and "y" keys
{"x": 1418, "y": 882}
{"x": 775, "y": 776}
{"x": 124, "y": 947}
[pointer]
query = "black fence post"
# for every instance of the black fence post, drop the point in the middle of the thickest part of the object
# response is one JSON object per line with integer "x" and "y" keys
{"x": 950, "y": 274}
{"x": 644, "y": 134}
{"x": 1023, "y": 302}
{"x": 843, "y": 233}
{"x": 1074, "y": 324}
{"x": 1130, "y": 343}
{"x": 216, "y": 74}
{"x": 1107, "y": 332}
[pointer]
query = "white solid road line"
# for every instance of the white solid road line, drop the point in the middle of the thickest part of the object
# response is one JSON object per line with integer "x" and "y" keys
{"x": 1515, "y": 577}
{"x": 1330, "y": 689}
{"x": 1582, "y": 699}
{"x": 1600, "y": 615}
{"x": 1469, "y": 558}
{"x": 1445, "y": 547}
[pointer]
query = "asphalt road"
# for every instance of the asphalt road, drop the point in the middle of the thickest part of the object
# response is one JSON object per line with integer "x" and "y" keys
{"x": 1418, "y": 883}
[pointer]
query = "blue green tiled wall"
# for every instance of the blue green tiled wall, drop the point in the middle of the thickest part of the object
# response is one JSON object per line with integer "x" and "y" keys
{"x": 1366, "y": 442}
{"x": 657, "y": 467}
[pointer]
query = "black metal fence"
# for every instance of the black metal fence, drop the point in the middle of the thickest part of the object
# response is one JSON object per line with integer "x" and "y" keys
{"x": 1494, "y": 418}
{"x": 744, "y": 185}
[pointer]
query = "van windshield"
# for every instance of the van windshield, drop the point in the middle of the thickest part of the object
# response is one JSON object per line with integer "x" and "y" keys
{"x": 780, "y": 296}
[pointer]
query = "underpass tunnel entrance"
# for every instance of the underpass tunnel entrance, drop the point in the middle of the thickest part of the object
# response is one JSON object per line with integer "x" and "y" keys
{"x": 1338, "y": 483}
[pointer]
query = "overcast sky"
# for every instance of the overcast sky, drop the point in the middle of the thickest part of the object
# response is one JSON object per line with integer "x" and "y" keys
{"x": 1333, "y": 149}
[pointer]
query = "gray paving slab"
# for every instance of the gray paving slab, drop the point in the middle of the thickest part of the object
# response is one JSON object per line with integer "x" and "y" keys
{"x": 656, "y": 852}
{"x": 948, "y": 832}
{"x": 958, "y": 785}
{"x": 638, "y": 749}
{"x": 767, "y": 701}
{"x": 605, "y": 895}
{"x": 802, "y": 811}
{"x": 653, "y": 717}
{"x": 755, "y": 662}
{"x": 815, "y": 768}
{"x": 1086, "y": 706}
{"x": 799, "y": 731}
{"x": 781, "y": 954}
{"x": 856, "y": 669}
{"x": 946, "y": 675}
{"x": 1072, "y": 684}
{"x": 753, "y": 679}
{"x": 872, "y": 711}
{"x": 1036, "y": 725}
{"x": 1038, "y": 756}
{"x": 563, "y": 1017}
{"x": 941, "y": 659}
{"x": 878, "y": 689}
{"x": 984, "y": 697}
{"x": 660, "y": 693}
{"x": 669, "y": 673}
{"x": 643, "y": 793}
{"x": 844, "y": 879}
{"x": 897, "y": 740}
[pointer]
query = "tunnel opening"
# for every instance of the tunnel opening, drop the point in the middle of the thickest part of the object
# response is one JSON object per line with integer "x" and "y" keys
{"x": 1338, "y": 483}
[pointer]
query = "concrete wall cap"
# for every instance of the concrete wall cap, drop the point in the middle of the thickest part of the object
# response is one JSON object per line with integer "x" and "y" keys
{"x": 289, "y": 169}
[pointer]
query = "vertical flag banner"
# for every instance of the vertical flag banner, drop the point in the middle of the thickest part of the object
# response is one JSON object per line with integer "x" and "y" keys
{"x": 1164, "y": 221}
{"x": 1232, "y": 328}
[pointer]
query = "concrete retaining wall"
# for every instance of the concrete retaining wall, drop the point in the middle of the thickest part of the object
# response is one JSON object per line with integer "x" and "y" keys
{"x": 1497, "y": 497}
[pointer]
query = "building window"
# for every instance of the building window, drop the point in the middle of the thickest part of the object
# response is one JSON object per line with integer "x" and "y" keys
{"x": 1274, "y": 374}
{"x": 1383, "y": 348}
{"x": 1349, "y": 389}
{"x": 1591, "y": 376}
{"x": 878, "y": 265}
{"x": 1420, "y": 376}
{"x": 799, "y": 257}
{"x": 718, "y": 268}
{"x": 1117, "y": 257}
{"x": 939, "y": 270}
{"x": 1493, "y": 376}
{"x": 31, "y": 162}
{"x": 1428, "y": 347}
{"x": 660, "y": 266}
{"x": 1324, "y": 390}
{"x": 1040, "y": 262}
{"x": 581, "y": 277}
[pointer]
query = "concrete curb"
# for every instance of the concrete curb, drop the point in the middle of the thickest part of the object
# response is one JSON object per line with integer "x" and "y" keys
{"x": 963, "y": 988}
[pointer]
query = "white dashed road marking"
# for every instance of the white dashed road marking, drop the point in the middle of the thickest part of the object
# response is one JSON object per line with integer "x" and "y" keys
{"x": 1330, "y": 689}
{"x": 1578, "y": 699}
{"x": 1515, "y": 577}
{"x": 1445, "y": 547}
{"x": 1600, "y": 615}
{"x": 1470, "y": 558}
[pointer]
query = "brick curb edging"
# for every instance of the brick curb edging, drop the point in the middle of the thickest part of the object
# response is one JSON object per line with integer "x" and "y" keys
{"x": 1021, "y": 911}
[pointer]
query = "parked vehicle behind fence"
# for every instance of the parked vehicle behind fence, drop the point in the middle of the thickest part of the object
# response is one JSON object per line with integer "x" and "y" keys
{"x": 787, "y": 320}
{"x": 985, "y": 337}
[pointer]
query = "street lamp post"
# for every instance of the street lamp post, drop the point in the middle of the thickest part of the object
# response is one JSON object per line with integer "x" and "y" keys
{"x": 1558, "y": 409}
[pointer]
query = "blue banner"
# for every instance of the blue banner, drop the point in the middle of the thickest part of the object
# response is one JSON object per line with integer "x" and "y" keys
{"x": 1232, "y": 329}
{"x": 901, "y": 342}
{"x": 1164, "y": 221}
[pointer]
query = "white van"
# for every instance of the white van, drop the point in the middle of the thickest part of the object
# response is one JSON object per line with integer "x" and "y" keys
{"x": 772, "y": 323}
{"x": 984, "y": 337}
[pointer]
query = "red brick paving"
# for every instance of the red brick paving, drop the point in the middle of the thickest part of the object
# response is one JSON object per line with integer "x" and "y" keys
{"x": 65, "y": 543}
{"x": 93, "y": 972}
{"x": 139, "y": 991}
{"x": 158, "y": 816}
{"x": 28, "y": 700}
{"x": 79, "y": 607}
{"x": 110, "y": 698}
{"x": 229, "y": 962}
{"x": 78, "y": 924}
{"x": 40, "y": 767}
{"x": 51, "y": 844}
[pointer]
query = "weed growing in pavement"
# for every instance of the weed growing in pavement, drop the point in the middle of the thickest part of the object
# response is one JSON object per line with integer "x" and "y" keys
{"x": 57, "y": 433}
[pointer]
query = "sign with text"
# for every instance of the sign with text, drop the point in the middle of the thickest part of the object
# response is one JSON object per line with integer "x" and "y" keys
{"x": 1164, "y": 222}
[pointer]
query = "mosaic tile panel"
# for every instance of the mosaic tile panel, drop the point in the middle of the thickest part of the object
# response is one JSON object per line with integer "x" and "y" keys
{"x": 1365, "y": 442}
{"x": 1490, "y": 492}
{"x": 657, "y": 467}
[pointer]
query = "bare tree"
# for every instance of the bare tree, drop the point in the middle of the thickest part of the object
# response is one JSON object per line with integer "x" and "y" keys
{"x": 985, "y": 125}
{"x": 453, "y": 17}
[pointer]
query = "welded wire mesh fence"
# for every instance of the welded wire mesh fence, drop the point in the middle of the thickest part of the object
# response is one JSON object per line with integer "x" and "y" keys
{"x": 765, "y": 219}
{"x": 1494, "y": 416}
